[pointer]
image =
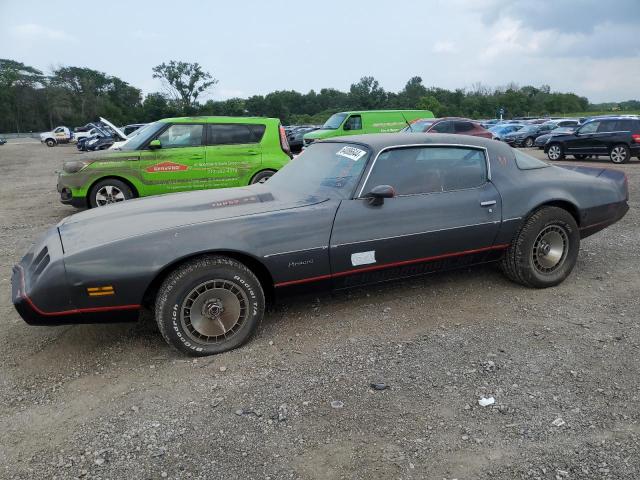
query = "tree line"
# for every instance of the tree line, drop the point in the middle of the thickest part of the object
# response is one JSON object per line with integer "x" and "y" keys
{"x": 31, "y": 100}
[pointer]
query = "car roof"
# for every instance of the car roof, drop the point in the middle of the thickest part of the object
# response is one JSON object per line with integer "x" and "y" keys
{"x": 207, "y": 119}
{"x": 378, "y": 141}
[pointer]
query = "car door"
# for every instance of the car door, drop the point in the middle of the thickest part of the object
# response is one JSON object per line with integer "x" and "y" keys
{"x": 446, "y": 213}
{"x": 607, "y": 136}
{"x": 353, "y": 125}
{"x": 179, "y": 162}
{"x": 584, "y": 139}
{"x": 234, "y": 154}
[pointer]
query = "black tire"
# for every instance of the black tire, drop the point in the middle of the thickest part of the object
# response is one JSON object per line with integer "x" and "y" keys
{"x": 528, "y": 142}
{"x": 50, "y": 142}
{"x": 580, "y": 156}
{"x": 212, "y": 283}
{"x": 262, "y": 176}
{"x": 620, "y": 153}
{"x": 526, "y": 262}
{"x": 554, "y": 154}
{"x": 111, "y": 190}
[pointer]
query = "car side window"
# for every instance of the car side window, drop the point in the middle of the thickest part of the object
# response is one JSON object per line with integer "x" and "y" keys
{"x": 181, "y": 135}
{"x": 354, "y": 122}
{"x": 590, "y": 127}
{"x": 461, "y": 127}
{"x": 442, "y": 127}
{"x": 607, "y": 126}
{"x": 417, "y": 170}
{"x": 233, "y": 134}
{"x": 624, "y": 125}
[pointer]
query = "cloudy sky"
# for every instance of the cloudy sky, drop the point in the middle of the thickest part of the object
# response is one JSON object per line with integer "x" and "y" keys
{"x": 590, "y": 47}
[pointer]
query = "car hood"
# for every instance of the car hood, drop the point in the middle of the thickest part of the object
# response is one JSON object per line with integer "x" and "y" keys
{"x": 138, "y": 217}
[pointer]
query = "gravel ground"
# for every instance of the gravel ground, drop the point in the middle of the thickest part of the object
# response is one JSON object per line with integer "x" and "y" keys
{"x": 114, "y": 401}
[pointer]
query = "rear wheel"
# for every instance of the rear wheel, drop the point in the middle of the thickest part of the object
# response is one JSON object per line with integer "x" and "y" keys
{"x": 209, "y": 305}
{"x": 555, "y": 152}
{"x": 109, "y": 191}
{"x": 620, "y": 153}
{"x": 262, "y": 176}
{"x": 545, "y": 250}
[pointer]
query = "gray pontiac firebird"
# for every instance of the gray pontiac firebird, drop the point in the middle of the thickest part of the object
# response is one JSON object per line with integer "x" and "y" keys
{"x": 347, "y": 212}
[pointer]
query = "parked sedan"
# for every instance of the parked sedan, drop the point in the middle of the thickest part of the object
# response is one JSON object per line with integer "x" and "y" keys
{"x": 542, "y": 139}
{"x": 499, "y": 131}
{"x": 526, "y": 136}
{"x": 348, "y": 211}
{"x": 296, "y": 137}
{"x": 462, "y": 126}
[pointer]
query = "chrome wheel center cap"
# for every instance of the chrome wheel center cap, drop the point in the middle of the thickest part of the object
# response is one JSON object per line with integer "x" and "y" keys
{"x": 544, "y": 248}
{"x": 213, "y": 309}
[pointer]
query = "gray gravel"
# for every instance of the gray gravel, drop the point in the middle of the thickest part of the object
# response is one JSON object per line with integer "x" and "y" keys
{"x": 300, "y": 401}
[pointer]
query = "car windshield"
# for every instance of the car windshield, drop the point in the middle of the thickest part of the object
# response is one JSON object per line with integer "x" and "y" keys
{"x": 418, "y": 126}
{"x": 334, "y": 121}
{"x": 324, "y": 170}
{"x": 134, "y": 143}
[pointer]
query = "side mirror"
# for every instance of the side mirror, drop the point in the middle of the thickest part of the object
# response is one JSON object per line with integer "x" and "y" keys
{"x": 577, "y": 133}
{"x": 155, "y": 144}
{"x": 347, "y": 126}
{"x": 377, "y": 194}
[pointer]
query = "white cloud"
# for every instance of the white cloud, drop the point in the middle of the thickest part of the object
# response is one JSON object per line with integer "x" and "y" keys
{"x": 444, "y": 47}
{"x": 33, "y": 31}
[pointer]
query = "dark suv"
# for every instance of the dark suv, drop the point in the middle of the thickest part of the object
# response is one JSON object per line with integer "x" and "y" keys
{"x": 617, "y": 137}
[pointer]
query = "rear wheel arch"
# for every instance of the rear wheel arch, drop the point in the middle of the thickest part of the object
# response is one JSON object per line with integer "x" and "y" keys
{"x": 564, "y": 204}
{"x": 258, "y": 268}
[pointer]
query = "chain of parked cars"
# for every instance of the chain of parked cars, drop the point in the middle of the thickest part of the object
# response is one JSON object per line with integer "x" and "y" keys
{"x": 354, "y": 208}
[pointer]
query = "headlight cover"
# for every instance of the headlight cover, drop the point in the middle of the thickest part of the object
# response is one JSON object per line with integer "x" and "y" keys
{"x": 76, "y": 166}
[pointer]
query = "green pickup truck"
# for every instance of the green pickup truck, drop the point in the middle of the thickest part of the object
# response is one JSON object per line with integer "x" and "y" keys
{"x": 367, "y": 121}
{"x": 178, "y": 154}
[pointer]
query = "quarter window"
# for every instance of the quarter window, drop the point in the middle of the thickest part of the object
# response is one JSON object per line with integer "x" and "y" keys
{"x": 416, "y": 170}
{"x": 624, "y": 125}
{"x": 442, "y": 127}
{"x": 461, "y": 127}
{"x": 181, "y": 135}
{"x": 235, "y": 134}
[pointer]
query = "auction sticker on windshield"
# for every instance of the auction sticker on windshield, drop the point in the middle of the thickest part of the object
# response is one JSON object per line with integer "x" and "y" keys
{"x": 352, "y": 153}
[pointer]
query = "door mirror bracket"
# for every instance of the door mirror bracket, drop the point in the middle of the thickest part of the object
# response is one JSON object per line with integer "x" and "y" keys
{"x": 155, "y": 144}
{"x": 377, "y": 194}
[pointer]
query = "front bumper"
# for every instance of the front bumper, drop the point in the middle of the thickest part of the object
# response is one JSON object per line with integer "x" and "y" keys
{"x": 42, "y": 296}
{"x": 67, "y": 197}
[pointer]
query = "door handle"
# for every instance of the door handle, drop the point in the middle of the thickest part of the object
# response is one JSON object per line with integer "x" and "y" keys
{"x": 252, "y": 152}
{"x": 488, "y": 203}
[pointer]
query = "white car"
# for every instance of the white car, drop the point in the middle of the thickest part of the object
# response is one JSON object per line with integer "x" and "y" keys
{"x": 56, "y": 136}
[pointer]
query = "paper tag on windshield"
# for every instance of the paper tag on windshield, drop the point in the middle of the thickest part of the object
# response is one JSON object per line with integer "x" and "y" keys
{"x": 352, "y": 153}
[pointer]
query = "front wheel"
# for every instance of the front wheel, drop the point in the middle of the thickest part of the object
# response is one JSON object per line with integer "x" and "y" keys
{"x": 50, "y": 142}
{"x": 262, "y": 176}
{"x": 109, "y": 191}
{"x": 209, "y": 305}
{"x": 528, "y": 142}
{"x": 545, "y": 250}
{"x": 555, "y": 152}
{"x": 620, "y": 154}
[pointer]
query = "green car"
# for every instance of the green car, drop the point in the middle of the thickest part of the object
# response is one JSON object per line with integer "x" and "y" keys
{"x": 371, "y": 121}
{"x": 175, "y": 155}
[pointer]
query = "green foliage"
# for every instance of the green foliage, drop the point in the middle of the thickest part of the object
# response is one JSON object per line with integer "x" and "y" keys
{"x": 184, "y": 82}
{"x": 73, "y": 96}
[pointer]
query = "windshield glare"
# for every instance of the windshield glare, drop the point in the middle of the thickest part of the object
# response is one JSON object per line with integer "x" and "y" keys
{"x": 323, "y": 170}
{"x": 135, "y": 142}
{"x": 334, "y": 121}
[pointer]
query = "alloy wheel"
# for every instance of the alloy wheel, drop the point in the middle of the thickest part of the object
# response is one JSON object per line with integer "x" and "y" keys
{"x": 109, "y": 194}
{"x": 214, "y": 310}
{"x": 554, "y": 152}
{"x": 550, "y": 249}
{"x": 618, "y": 154}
